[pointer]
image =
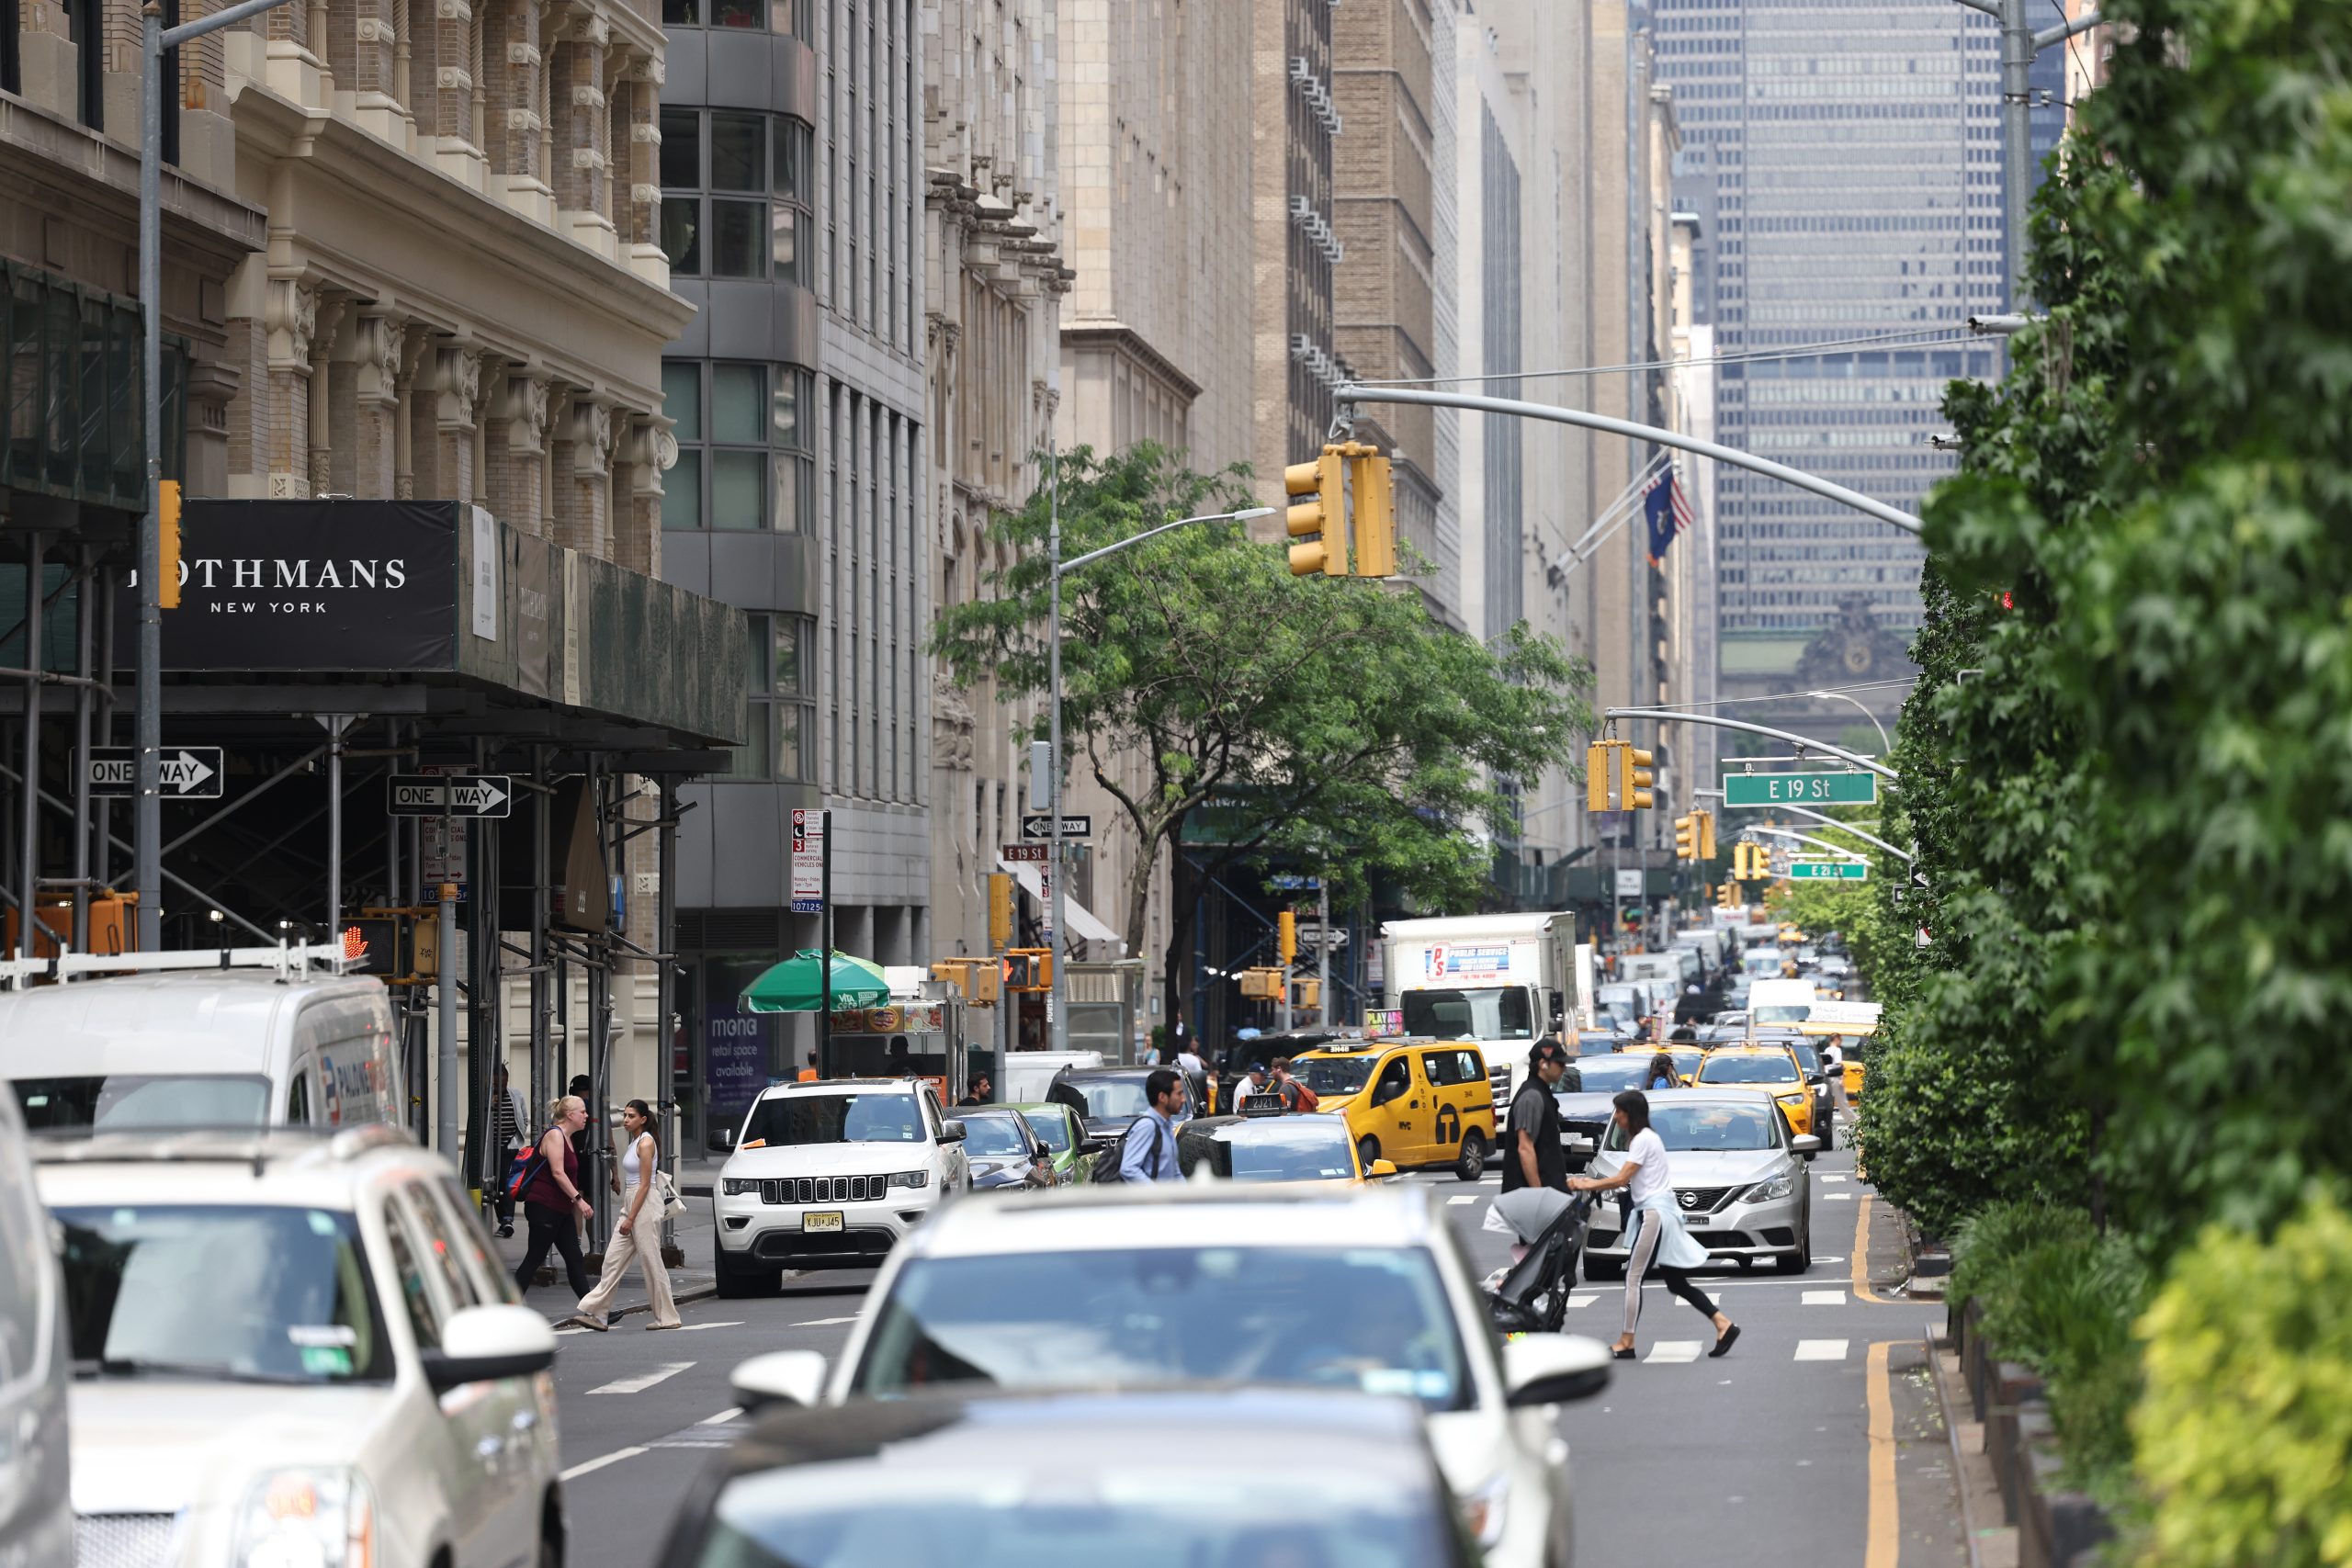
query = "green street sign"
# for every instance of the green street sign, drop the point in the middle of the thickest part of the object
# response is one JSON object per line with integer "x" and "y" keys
{"x": 1830, "y": 869}
{"x": 1801, "y": 789}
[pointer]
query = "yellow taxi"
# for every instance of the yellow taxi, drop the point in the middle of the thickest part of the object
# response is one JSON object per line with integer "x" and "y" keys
{"x": 1686, "y": 1055}
{"x": 1412, "y": 1103}
{"x": 1770, "y": 1068}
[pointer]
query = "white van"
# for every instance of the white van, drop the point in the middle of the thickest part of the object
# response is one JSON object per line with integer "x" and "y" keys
{"x": 202, "y": 1048}
{"x": 1026, "y": 1076}
{"x": 35, "y": 1510}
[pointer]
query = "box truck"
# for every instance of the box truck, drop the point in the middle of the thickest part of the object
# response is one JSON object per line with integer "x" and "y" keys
{"x": 1500, "y": 981}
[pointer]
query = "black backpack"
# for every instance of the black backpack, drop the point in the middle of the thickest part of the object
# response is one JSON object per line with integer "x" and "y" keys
{"x": 1111, "y": 1164}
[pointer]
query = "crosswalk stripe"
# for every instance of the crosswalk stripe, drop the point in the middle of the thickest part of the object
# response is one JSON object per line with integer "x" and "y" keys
{"x": 1821, "y": 1350}
{"x": 1582, "y": 1301}
{"x": 600, "y": 1461}
{"x": 723, "y": 1418}
{"x": 1451, "y": 1202}
{"x": 690, "y": 1327}
{"x": 1837, "y": 1196}
{"x": 824, "y": 1321}
{"x": 1829, "y": 1178}
{"x": 643, "y": 1381}
{"x": 1672, "y": 1350}
{"x": 1823, "y": 1298}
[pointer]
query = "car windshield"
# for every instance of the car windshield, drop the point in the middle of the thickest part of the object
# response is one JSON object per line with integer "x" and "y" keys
{"x": 241, "y": 1293}
{"x": 889, "y": 1116}
{"x": 999, "y": 1508}
{"x": 1276, "y": 1148}
{"x": 1334, "y": 1075}
{"x": 120, "y": 1100}
{"x": 1774, "y": 1069}
{"x": 1370, "y": 1318}
{"x": 1493, "y": 1013}
{"x": 996, "y": 1136}
{"x": 1808, "y": 1059}
{"x": 1609, "y": 1074}
{"x": 1711, "y": 1128}
{"x": 1790, "y": 1012}
{"x": 1051, "y": 1127}
{"x": 1108, "y": 1099}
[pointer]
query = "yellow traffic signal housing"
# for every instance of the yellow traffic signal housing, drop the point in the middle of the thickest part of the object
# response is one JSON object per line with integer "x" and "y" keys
{"x": 1686, "y": 838}
{"x": 1318, "y": 507}
{"x": 1262, "y": 984}
{"x": 1706, "y": 823}
{"x": 1029, "y": 969}
{"x": 1601, "y": 775}
{"x": 1286, "y": 937}
{"x": 167, "y": 518}
{"x": 1000, "y": 910}
{"x": 1634, "y": 778}
{"x": 1307, "y": 993}
{"x": 1375, "y": 512}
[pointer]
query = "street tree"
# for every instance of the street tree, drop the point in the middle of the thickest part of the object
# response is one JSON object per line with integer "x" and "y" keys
{"x": 1243, "y": 715}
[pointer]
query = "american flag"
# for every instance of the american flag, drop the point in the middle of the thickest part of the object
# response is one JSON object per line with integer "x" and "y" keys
{"x": 1668, "y": 510}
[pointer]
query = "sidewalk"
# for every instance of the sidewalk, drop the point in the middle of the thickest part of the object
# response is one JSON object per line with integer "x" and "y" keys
{"x": 690, "y": 1281}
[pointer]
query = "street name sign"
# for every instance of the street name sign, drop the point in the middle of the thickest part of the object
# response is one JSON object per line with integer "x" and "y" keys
{"x": 1289, "y": 883}
{"x": 185, "y": 772}
{"x": 1039, "y": 826}
{"x": 1026, "y": 851}
{"x": 1854, "y": 788}
{"x": 1830, "y": 869}
{"x": 450, "y": 795}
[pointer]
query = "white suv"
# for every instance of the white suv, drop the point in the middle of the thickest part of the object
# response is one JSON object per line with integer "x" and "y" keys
{"x": 830, "y": 1176}
{"x": 296, "y": 1349}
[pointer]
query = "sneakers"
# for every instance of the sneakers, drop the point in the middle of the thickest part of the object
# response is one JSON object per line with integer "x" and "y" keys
{"x": 583, "y": 1320}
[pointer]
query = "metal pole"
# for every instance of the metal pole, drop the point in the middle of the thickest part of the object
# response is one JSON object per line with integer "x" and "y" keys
{"x": 542, "y": 808}
{"x": 665, "y": 918}
{"x": 86, "y": 621}
{"x": 1323, "y": 950}
{"x": 1056, "y": 1014}
{"x": 335, "y": 724}
{"x": 825, "y": 951}
{"x": 445, "y": 985}
{"x": 1832, "y": 821}
{"x": 29, "y": 851}
{"x": 147, "y": 821}
{"x": 1350, "y": 393}
{"x": 2016, "y": 139}
{"x": 1821, "y": 746}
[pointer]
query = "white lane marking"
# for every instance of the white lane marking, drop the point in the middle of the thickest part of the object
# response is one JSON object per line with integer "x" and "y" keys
{"x": 643, "y": 1381}
{"x": 1837, "y": 1196}
{"x": 825, "y": 1322}
{"x": 1451, "y": 1202}
{"x": 1673, "y": 1350}
{"x": 1821, "y": 1350}
{"x": 562, "y": 1332}
{"x": 1829, "y": 1178}
{"x": 691, "y": 1327}
{"x": 600, "y": 1461}
{"x": 1582, "y": 1301}
{"x": 1824, "y": 1297}
{"x": 723, "y": 1418}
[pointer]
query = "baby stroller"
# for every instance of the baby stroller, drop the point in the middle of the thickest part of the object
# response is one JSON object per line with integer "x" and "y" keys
{"x": 1532, "y": 1295}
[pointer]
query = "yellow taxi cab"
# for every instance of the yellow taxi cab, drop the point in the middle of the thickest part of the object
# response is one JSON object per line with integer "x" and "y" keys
{"x": 1686, "y": 1055}
{"x": 1770, "y": 1068}
{"x": 1413, "y": 1103}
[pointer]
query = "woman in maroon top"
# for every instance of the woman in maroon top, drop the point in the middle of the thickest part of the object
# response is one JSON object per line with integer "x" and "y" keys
{"x": 552, "y": 1203}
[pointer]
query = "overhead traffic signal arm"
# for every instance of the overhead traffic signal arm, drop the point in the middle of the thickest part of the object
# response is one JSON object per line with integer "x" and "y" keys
{"x": 1317, "y": 515}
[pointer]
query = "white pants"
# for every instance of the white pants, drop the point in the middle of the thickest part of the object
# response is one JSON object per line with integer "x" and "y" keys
{"x": 643, "y": 1243}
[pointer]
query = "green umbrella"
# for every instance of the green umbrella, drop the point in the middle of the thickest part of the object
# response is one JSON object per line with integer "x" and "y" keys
{"x": 798, "y": 985}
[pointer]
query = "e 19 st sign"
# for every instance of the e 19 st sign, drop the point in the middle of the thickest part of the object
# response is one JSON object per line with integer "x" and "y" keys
{"x": 1799, "y": 789}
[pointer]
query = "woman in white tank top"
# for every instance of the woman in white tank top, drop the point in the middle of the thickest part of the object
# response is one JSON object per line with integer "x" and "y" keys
{"x": 636, "y": 1234}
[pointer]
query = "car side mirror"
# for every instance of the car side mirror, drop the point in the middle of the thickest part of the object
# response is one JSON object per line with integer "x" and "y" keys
{"x": 1092, "y": 1146}
{"x": 780, "y": 1377}
{"x": 724, "y": 1138}
{"x": 1553, "y": 1368}
{"x": 1380, "y": 1170}
{"x": 480, "y": 1343}
{"x": 1805, "y": 1144}
{"x": 951, "y": 1131}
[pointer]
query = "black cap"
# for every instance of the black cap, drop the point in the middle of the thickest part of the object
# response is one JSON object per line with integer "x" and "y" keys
{"x": 1547, "y": 1049}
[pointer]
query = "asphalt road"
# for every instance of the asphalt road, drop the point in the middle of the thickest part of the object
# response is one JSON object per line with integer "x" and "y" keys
{"x": 1815, "y": 1442}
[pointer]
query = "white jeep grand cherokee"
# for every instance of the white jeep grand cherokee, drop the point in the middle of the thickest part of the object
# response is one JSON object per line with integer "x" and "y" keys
{"x": 830, "y": 1176}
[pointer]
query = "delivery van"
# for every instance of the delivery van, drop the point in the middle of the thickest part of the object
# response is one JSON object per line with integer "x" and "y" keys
{"x": 202, "y": 1048}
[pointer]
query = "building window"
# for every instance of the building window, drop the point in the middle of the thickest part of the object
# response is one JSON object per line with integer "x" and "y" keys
{"x": 774, "y": 15}
{"x": 781, "y": 710}
{"x": 743, "y": 457}
{"x": 735, "y": 194}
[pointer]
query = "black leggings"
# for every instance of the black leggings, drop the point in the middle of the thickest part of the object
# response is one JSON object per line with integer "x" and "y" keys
{"x": 556, "y": 1228}
{"x": 1643, "y": 1261}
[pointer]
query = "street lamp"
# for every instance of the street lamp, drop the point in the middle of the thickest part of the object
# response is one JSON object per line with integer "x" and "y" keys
{"x": 1057, "y": 1013}
{"x": 147, "y": 813}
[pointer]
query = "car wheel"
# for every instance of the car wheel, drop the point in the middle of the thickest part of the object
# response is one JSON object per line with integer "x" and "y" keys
{"x": 1367, "y": 1150}
{"x": 1602, "y": 1270}
{"x": 1473, "y": 1163}
{"x": 1800, "y": 1260}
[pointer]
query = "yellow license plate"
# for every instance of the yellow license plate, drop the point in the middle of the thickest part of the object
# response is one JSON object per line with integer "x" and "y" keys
{"x": 820, "y": 1222}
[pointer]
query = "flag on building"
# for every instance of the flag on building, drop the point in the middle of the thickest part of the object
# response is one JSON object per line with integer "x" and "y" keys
{"x": 1668, "y": 509}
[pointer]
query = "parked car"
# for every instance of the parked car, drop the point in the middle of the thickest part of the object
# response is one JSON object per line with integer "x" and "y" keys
{"x": 1064, "y": 1136}
{"x": 830, "y": 1175}
{"x": 1073, "y": 1478}
{"x": 1004, "y": 1150}
{"x": 1265, "y": 1284}
{"x": 1740, "y": 1179}
{"x": 1107, "y": 1100}
{"x": 35, "y": 1501}
{"x": 294, "y": 1347}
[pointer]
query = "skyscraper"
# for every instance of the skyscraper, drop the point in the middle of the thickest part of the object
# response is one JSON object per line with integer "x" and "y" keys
{"x": 1845, "y": 163}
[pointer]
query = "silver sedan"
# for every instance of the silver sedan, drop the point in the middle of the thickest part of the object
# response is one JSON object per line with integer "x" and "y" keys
{"x": 1738, "y": 1177}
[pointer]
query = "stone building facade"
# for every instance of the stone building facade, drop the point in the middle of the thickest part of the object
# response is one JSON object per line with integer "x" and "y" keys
{"x": 1296, "y": 248}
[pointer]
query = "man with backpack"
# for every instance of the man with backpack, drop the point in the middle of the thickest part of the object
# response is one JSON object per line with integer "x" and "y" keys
{"x": 1148, "y": 1152}
{"x": 1297, "y": 1097}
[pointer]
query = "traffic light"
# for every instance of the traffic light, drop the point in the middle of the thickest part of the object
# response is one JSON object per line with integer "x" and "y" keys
{"x": 1262, "y": 984}
{"x": 1307, "y": 994}
{"x": 1706, "y": 823}
{"x": 1686, "y": 838}
{"x": 1317, "y": 507}
{"x": 1601, "y": 775}
{"x": 1375, "y": 511}
{"x": 1634, "y": 778}
{"x": 167, "y": 519}
{"x": 1286, "y": 937}
{"x": 1000, "y": 910}
{"x": 1029, "y": 969}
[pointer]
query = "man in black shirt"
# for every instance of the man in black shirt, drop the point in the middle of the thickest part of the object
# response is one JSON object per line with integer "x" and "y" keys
{"x": 1532, "y": 1153}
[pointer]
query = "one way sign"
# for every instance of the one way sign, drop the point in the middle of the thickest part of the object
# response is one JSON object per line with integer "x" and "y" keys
{"x": 451, "y": 794}
{"x": 185, "y": 773}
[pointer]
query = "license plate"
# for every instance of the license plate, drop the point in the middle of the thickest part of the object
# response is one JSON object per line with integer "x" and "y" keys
{"x": 831, "y": 1221}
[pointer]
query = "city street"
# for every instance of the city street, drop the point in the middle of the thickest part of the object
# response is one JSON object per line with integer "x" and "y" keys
{"x": 1814, "y": 1439}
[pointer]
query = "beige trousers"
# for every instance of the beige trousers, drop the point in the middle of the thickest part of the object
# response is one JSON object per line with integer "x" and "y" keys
{"x": 643, "y": 1242}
